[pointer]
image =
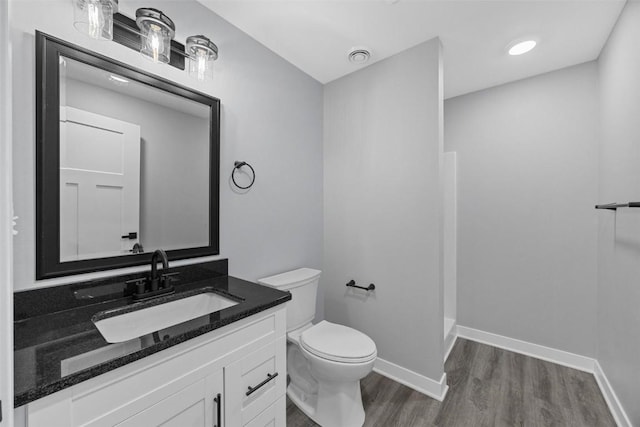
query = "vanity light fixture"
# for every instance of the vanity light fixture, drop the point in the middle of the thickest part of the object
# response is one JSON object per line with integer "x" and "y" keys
{"x": 520, "y": 47}
{"x": 151, "y": 33}
{"x": 157, "y": 31}
{"x": 95, "y": 17}
{"x": 202, "y": 52}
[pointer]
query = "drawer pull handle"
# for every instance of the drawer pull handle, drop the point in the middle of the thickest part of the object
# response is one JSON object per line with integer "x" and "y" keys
{"x": 218, "y": 400}
{"x": 269, "y": 378}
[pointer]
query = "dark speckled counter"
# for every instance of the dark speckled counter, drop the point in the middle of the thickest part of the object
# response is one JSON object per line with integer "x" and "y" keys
{"x": 56, "y": 344}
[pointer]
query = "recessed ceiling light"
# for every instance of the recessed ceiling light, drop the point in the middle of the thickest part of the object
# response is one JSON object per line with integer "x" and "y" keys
{"x": 118, "y": 80}
{"x": 359, "y": 55}
{"x": 518, "y": 48}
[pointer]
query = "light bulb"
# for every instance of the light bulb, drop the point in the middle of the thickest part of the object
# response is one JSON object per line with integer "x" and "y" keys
{"x": 155, "y": 41}
{"x": 202, "y": 52}
{"x": 156, "y": 30}
{"x": 201, "y": 63}
{"x": 96, "y": 19}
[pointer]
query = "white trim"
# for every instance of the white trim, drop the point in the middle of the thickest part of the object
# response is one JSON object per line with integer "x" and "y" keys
{"x": 564, "y": 358}
{"x": 619, "y": 415}
{"x": 418, "y": 382}
{"x": 6, "y": 217}
{"x": 450, "y": 340}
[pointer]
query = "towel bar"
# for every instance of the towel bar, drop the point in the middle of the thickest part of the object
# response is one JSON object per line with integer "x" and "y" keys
{"x": 352, "y": 284}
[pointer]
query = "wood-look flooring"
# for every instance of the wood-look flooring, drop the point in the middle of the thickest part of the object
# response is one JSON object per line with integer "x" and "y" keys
{"x": 489, "y": 387}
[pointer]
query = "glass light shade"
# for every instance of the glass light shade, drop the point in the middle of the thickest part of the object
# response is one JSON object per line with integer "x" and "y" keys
{"x": 157, "y": 31}
{"x": 95, "y": 17}
{"x": 202, "y": 52}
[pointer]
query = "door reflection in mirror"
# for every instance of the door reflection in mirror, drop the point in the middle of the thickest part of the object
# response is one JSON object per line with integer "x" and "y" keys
{"x": 134, "y": 166}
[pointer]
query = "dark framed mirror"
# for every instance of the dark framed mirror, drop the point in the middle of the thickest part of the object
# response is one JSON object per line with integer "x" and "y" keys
{"x": 126, "y": 163}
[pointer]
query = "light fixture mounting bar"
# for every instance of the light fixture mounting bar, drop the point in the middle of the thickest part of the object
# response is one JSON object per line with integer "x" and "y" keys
{"x": 126, "y": 32}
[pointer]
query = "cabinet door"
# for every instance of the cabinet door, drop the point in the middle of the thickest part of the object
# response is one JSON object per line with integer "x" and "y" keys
{"x": 254, "y": 382}
{"x": 193, "y": 406}
{"x": 273, "y": 416}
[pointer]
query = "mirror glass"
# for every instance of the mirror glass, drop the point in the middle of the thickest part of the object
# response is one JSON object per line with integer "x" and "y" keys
{"x": 134, "y": 166}
{"x": 127, "y": 162}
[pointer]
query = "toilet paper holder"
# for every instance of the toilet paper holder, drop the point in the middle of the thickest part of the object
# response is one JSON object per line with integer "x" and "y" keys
{"x": 352, "y": 284}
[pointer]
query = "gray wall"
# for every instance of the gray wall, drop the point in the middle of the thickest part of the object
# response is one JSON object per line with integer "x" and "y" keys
{"x": 382, "y": 200}
{"x": 527, "y": 182}
{"x": 619, "y": 232}
{"x": 450, "y": 269}
{"x": 271, "y": 117}
{"x": 174, "y": 165}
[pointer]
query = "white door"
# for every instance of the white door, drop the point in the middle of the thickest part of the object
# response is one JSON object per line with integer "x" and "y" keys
{"x": 99, "y": 185}
{"x": 193, "y": 406}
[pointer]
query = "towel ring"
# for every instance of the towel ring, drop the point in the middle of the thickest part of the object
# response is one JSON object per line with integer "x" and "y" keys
{"x": 237, "y": 165}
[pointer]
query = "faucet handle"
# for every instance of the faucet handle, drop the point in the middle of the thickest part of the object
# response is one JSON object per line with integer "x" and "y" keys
{"x": 135, "y": 286}
{"x": 167, "y": 278}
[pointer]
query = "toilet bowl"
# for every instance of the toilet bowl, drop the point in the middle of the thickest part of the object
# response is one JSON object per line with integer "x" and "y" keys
{"x": 325, "y": 361}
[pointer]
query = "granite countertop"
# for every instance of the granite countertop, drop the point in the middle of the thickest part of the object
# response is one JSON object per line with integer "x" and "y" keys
{"x": 56, "y": 344}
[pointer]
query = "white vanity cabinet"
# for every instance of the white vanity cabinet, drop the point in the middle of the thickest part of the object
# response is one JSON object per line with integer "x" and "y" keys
{"x": 195, "y": 406}
{"x": 234, "y": 376}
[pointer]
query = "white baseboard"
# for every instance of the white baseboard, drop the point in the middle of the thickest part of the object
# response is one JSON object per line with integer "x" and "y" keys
{"x": 449, "y": 341}
{"x": 425, "y": 385}
{"x": 619, "y": 415}
{"x": 564, "y": 358}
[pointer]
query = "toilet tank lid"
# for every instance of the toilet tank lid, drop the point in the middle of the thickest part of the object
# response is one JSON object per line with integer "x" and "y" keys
{"x": 291, "y": 279}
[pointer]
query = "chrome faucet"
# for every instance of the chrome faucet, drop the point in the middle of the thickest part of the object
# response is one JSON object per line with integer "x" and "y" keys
{"x": 156, "y": 279}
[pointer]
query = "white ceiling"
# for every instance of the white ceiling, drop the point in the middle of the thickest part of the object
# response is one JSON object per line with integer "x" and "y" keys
{"x": 94, "y": 76}
{"x": 316, "y": 35}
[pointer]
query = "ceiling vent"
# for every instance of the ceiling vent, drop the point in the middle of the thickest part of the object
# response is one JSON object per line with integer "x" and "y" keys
{"x": 359, "y": 55}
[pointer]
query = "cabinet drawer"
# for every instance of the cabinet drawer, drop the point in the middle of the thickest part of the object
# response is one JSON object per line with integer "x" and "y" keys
{"x": 274, "y": 416}
{"x": 188, "y": 407}
{"x": 254, "y": 382}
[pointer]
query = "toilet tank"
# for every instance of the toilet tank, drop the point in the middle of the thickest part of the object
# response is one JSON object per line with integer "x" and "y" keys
{"x": 303, "y": 285}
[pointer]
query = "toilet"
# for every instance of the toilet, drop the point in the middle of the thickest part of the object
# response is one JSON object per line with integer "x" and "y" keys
{"x": 325, "y": 361}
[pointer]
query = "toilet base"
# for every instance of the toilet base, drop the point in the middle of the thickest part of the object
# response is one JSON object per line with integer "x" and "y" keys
{"x": 335, "y": 405}
{"x": 326, "y": 391}
{"x": 339, "y": 404}
{"x": 306, "y": 403}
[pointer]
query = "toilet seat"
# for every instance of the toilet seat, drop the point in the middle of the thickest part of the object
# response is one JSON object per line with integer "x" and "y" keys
{"x": 338, "y": 343}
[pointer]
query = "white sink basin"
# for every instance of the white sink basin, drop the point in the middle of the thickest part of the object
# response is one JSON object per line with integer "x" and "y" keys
{"x": 141, "y": 322}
